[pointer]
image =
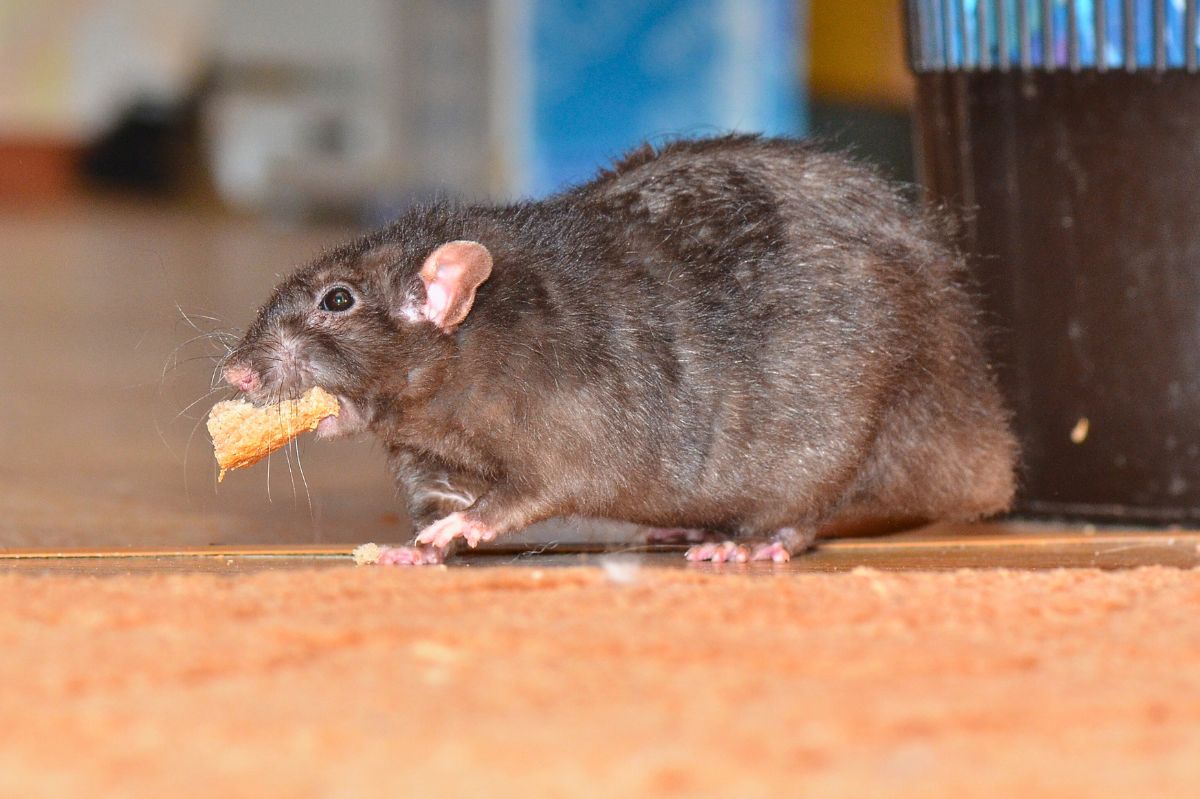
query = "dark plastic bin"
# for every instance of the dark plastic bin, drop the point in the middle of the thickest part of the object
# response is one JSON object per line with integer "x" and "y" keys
{"x": 1075, "y": 169}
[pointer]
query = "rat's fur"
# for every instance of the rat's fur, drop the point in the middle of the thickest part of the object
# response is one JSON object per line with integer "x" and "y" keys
{"x": 739, "y": 334}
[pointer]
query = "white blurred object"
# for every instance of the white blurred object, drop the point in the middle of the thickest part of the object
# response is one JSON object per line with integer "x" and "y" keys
{"x": 70, "y": 67}
{"x": 332, "y": 105}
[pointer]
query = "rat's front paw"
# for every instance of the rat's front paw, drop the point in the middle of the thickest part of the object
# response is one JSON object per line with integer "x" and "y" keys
{"x": 456, "y": 525}
{"x": 719, "y": 552}
{"x": 411, "y": 556}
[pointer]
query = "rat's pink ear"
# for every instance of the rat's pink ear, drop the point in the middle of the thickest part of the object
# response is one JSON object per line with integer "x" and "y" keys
{"x": 451, "y": 274}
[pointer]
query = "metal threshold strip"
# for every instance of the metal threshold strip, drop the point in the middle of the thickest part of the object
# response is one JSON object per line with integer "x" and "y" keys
{"x": 933, "y": 548}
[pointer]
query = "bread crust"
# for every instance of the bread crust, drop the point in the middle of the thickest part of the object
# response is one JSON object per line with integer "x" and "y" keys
{"x": 243, "y": 433}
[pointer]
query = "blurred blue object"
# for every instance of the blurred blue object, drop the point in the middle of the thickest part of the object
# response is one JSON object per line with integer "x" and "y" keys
{"x": 1053, "y": 34}
{"x": 605, "y": 75}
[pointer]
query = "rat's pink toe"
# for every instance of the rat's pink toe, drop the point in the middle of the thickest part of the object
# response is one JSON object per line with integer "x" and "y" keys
{"x": 774, "y": 551}
{"x": 457, "y": 525}
{"x": 723, "y": 552}
{"x": 477, "y": 534}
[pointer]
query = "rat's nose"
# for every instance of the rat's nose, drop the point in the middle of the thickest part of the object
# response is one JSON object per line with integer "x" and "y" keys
{"x": 243, "y": 378}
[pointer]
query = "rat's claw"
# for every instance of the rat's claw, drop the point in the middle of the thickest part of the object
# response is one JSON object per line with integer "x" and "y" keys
{"x": 723, "y": 552}
{"x": 457, "y": 525}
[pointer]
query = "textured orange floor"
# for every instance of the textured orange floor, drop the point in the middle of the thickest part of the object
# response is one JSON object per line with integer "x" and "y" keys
{"x": 586, "y": 682}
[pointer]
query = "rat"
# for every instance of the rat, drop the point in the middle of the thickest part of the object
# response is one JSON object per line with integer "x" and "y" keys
{"x": 754, "y": 338}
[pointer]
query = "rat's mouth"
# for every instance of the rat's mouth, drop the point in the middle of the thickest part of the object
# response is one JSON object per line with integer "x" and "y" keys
{"x": 348, "y": 421}
{"x": 328, "y": 427}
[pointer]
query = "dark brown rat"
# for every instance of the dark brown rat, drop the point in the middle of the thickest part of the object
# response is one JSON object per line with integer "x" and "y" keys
{"x": 741, "y": 335}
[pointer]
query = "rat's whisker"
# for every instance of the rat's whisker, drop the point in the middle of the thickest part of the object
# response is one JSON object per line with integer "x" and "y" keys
{"x": 287, "y": 456}
{"x": 300, "y": 467}
{"x": 187, "y": 449}
{"x": 189, "y": 316}
{"x": 189, "y": 319}
{"x": 216, "y": 336}
{"x": 172, "y": 361}
{"x": 200, "y": 399}
{"x": 183, "y": 315}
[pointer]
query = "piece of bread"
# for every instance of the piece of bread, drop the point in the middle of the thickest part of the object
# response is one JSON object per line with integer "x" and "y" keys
{"x": 366, "y": 554}
{"x": 243, "y": 433}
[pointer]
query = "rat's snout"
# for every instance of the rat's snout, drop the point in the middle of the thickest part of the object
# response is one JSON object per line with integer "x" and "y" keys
{"x": 243, "y": 378}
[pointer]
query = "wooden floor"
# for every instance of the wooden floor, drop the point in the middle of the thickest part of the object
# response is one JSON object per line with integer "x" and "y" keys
{"x": 105, "y": 468}
{"x": 104, "y": 384}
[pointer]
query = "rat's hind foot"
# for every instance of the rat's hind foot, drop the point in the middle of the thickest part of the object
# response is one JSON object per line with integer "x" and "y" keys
{"x": 719, "y": 552}
{"x": 676, "y": 535}
{"x": 457, "y": 525}
{"x": 411, "y": 556}
{"x": 794, "y": 540}
{"x": 785, "y": 542}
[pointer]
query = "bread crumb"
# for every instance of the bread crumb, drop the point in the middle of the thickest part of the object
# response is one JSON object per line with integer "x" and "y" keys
{"x": 243, "y": 433}
{"x": 366, "y": 554}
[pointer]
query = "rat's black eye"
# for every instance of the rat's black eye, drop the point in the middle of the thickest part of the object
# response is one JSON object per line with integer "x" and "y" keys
{"x": 338, "y": 299}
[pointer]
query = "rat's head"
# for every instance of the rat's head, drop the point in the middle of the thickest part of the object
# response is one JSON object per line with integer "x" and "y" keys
{"x": 362, "y": 323}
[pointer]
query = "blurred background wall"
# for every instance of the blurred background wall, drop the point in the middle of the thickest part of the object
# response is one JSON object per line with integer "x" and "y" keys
{"x": 163, "y": 161}
{"x": 860, "y": 87}
{"x": 306, "y": 107}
